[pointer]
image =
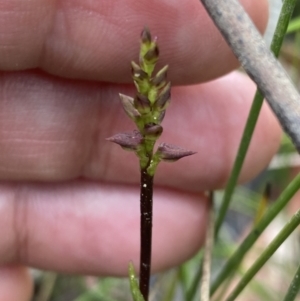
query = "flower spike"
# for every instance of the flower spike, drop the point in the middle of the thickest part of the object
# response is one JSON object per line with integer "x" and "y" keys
{"x": 147, "y": 109}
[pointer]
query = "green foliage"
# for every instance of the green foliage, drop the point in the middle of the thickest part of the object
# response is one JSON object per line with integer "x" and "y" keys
{"x": 294, "y": 25}
{"x": 134, "y": 287}
{"x": 267, "y": 253}
{"x": 294, "y": 287}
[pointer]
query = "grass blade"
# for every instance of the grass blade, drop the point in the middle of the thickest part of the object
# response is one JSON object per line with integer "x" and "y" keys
{"x": 290, "y": 226}
{"x": 134, "y": 286}
{"x": 294, "y": 287}
{"x": 209, "y": 241}
{"x": 233, "y": 262}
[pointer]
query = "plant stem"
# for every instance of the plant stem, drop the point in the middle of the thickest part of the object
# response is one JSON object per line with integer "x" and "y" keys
{"x": 134, "y": 287}
{"x": 146, "y": 231}
{"x": 290, "y": 226}
{"x": 209, "y": 241}
{"x": 195, "y": 283}
{"x": 294, "y": 287}
{"x": 236, "y": 258}
{"x": 47, "y": 286}
{"x": 239, "y": 160}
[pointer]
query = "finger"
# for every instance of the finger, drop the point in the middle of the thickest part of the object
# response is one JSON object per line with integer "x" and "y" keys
{"x": 54, "y": 130}
{"x": 15, "y": 283}
{"x": 93, "y": 228}
{"x": 97, "y": 39}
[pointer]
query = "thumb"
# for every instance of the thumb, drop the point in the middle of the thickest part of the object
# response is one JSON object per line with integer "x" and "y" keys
{"x": 15, "y": 283}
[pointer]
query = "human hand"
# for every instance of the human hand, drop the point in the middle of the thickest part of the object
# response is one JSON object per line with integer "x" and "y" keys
{"x": 69, "y": 199}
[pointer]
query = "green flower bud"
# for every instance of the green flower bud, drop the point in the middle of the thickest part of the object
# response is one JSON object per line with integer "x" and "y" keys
{"x": 146, "y": 36}
{"x": 153, "y": 130}
{"x": 159, "y": 116}
{"x": 151, "y": 56}
{"x": 137, "y": 72}
{"x": 140, "y": 78}
{"x": 142, "y": 103}
{"x": 148, "y": 54}
{"x": 159, "y": 80}
{"x": 128, "y": 106}
{"x": 163, "y": 97}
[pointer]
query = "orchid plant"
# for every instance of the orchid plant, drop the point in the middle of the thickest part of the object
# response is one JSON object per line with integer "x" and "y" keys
{"x": 147, "y": 110}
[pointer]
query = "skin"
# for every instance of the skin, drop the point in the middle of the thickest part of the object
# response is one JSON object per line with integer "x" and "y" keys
{"x": 68, "y": 198}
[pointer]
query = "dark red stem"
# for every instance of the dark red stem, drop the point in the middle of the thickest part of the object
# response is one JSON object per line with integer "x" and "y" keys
{"x": 146, "y": 232}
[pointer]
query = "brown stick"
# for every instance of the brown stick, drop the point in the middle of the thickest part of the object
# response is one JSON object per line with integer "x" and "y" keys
{"x": 260, "y": 64}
